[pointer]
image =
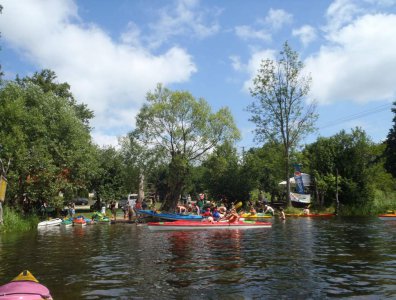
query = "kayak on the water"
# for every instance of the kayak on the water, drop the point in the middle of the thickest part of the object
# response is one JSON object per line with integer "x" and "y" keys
{"x": 256, "y": 216}
{"x": 171, "y": 216}
{"x": 25, "y": 286}
{"x": 51, "y": 222}
{"x": 387, "y": 216}
{"x": 189, "y": 225}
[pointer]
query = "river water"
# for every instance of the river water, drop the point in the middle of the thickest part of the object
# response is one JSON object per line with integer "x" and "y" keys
{"x": 300, "y": 258}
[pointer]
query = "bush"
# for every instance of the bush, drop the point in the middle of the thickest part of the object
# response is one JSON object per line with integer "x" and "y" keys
{"x": 15, "y": 221}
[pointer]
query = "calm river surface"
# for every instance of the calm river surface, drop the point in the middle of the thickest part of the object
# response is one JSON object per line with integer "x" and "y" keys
{"x": 300, "y": 258}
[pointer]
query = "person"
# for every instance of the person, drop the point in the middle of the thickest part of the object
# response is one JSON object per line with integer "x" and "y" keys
{"x": 181, "y": 209}
{"x": 268, "y": 209}
{"x": 282, "y": 215}
{"x": 252, "y": 210}
{"x": 113, "y": 209}
{"x": 72, "y": 209}
{"x": 306, "y": 211}
{"x": 125, "y": 209}
{"x": 144, "y": 204}
{"x": 216, "y": 215}
{"x": 207, "y": 213}
{"x": 233, "y": 217}
{"x": 138, "y": 206}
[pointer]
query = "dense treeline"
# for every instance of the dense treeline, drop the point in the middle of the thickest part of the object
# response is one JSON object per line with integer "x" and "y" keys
{"x": 179, "y": 147}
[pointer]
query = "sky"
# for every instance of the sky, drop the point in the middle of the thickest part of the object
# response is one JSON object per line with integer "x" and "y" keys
{"x": 113, "y": 53}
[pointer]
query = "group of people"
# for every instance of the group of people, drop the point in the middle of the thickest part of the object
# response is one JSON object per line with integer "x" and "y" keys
{"x": 130, "y": 209}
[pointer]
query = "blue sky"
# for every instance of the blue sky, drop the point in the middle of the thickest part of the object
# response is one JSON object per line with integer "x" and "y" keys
{"x": 113, "y": 52}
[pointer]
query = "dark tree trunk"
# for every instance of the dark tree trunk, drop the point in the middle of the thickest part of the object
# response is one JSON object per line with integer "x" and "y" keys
{"x": 178, "y": 173}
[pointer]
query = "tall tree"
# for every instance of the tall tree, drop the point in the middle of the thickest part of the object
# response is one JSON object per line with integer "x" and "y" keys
{"x": 279, "y": 112}
{"x": 46, "y": 79}
{"x": 49, "y": 146}
{"x": 1, "y": 72}
{"x": 184, "y": 130}
{"x": 390, "y": 150}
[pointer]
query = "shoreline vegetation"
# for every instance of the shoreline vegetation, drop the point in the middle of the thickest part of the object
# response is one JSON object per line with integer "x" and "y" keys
{"x": 14, "y": 221}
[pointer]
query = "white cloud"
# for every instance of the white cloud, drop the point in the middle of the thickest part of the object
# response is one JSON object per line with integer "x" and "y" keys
{"x": 252, "y": 65}
{"x": 306, "y": 33}
{"x": 184, "y": 19}
{"x": 112, "y": 78}
{"x": 246, "y": 33}
{"x": 358, "y": 62}
{"x": 340, "y": 13}
{"x": 276, "y": 18}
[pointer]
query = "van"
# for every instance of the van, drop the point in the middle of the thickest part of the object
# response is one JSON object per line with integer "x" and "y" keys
{"x": 132, "y": 199}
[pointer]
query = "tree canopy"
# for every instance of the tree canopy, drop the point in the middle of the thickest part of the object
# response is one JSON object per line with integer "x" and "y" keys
{"x": 183, "y": 129}
{"x": 279, "y": 112}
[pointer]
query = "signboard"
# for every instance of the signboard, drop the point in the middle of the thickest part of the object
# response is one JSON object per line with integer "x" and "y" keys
{"x": 3, "y": 187}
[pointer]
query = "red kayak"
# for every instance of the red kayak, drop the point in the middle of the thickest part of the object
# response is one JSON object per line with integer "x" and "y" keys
{"x": 190, "y": 225}
{"x": 25, "y": 286}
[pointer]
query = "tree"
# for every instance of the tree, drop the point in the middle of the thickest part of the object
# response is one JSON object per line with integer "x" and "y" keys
{"x": 1, "y": 72}
{"x": 265, "y": 166}
{"x": 356, "y": 158}
{"x": 223, "y": 176}
{"x": 183, "y": 129}
{"x": 279, "y": 112}
{"x": 49, "y": 146}
{"x": 390, "y": 150}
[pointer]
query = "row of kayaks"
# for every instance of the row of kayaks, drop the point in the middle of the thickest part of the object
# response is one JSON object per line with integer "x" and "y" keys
{"x": 25, "y": 286}
{"x": 190, "y": 217}
{"x": 192, "y": 225}
{"x": 97, "y": 218}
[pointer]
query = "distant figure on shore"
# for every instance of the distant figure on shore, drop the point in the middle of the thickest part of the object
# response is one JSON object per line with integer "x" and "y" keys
{"x": 306, "y": 211}
{"x": 113, "y": 209}
{"x": 282, "y": 215}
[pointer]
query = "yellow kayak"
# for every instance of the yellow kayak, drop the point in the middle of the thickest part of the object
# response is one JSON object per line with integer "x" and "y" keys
{"x": 255, "y": 216}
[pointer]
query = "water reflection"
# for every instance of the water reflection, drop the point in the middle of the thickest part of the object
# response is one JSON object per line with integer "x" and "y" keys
{"x": 299, "y": 259}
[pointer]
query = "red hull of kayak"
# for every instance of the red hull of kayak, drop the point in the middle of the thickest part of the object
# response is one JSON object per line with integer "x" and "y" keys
{"x": 188, "y": 225}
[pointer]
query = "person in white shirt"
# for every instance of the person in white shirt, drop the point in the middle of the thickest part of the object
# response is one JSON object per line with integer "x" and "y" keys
{"x": 268, "y": 209}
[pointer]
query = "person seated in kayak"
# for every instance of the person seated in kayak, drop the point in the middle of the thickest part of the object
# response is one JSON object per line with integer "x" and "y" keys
{"x": 306, "y": 211}
{"x": 233, "y": 216}
{"x": 268, "y": 209}
{"x": 252, "y": 210}
{"x": 216, "y": 215}
{"x": 181, "y": 209}
{"x": 207, "y": 213}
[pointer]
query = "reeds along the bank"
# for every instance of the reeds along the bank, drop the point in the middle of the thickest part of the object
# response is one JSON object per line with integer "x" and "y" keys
{"x": 383, "y": 202}
{"x": 15, "y": 221}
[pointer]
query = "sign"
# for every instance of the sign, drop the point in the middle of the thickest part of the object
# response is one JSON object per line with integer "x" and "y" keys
{"x": 3, "y": 187}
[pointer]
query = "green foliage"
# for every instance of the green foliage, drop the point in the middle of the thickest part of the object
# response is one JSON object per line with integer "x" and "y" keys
{"x": 49, "y": 145}
{"x": 390, "y": 151}
{"x": 183, "y": 130}
{"x": 265, "y": 167}
{"x": 280, "y": 114}
{"x": 359, "y": 165}
{"x": 224, "y": 176}
{"x": 109, "y": 182}
{"x": 15, "y": 221}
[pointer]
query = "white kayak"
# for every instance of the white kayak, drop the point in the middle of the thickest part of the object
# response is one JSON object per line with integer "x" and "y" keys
{"x": 52, "y": 222}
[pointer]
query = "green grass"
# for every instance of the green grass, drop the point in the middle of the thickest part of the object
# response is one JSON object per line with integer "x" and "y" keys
{"x": 15, "y": 221}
